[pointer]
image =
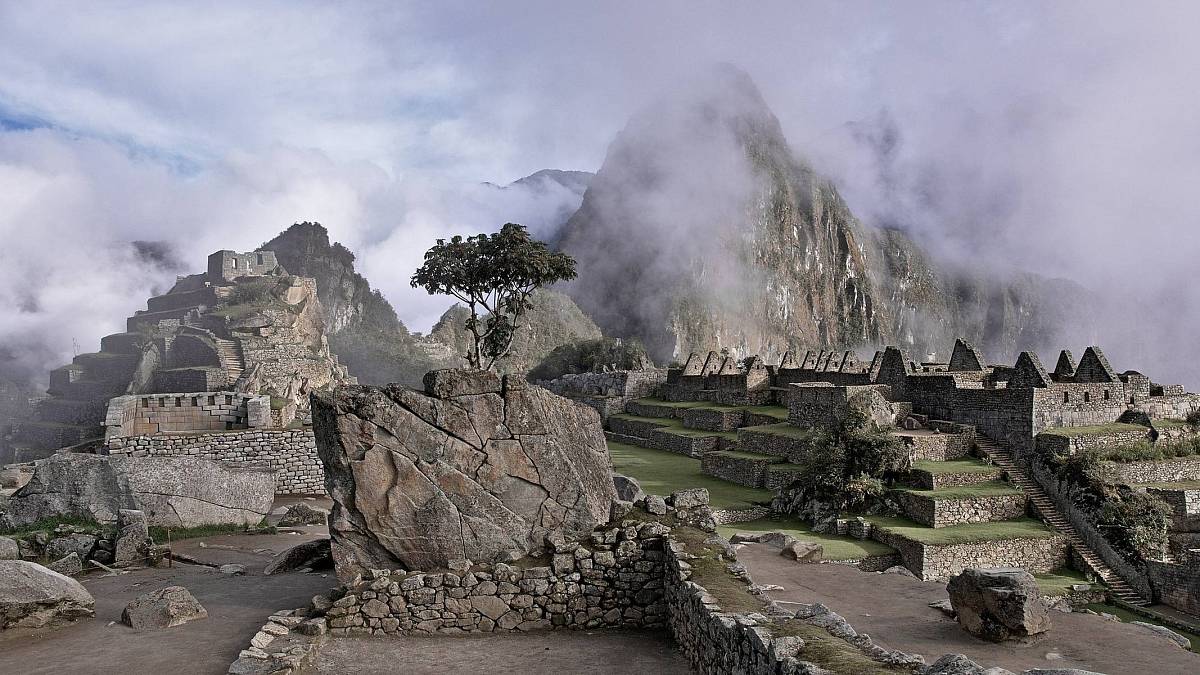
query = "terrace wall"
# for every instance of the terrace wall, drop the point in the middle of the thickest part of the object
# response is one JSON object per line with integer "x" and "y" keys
{"x": 1159, "y": 471}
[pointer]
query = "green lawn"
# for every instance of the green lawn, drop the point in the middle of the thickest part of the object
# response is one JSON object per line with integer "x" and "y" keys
{"x": 781, "y": 429}
{"x": 836, "y": 547}
{"x": 1168, "y": 423}
{"x": 662, "y": 473}
{"x": 1021, "y": 528}
{"x": 954, "y": 466}
{"x": 660, "y": 421}
{"x": 1059, "y": 581}
{"x": 992, "y": 488}
{"x": 697, "y": 433}
{"x": 1099, "y": 430}
{"x": 671, "y": 404}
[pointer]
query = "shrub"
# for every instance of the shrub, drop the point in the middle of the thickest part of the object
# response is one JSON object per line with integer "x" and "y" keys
{"x": 1193, "y": 418}
{"x": 585, "y": 356}
{"x": 257, "y": 292}
{"x": 1135, "y": 523}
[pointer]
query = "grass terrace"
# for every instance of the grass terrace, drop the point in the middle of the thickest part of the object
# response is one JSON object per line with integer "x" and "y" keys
{"x": 662, "y": 473}
{"x": 837, "y": 547}
{"x": 1177, "y": 485}
{"x": 781, "y": 429}
{"x": 1021, "y": 528}
{"x": 738, "y": 454}
{"x": 697, "y": 433}
{"x": 1099, "y": 430}
{"x": 1169, "y": 423}
{"x": 672, "y": 404}
{"x": 1059, "y": 581}
{"x": 659, "y": 421}
{"x": 954, "y": 466}
{"x": 993, "y": 488}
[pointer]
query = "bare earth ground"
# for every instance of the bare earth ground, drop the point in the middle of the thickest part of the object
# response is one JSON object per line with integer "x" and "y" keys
{"x": 894, "y": 610}
{"x": 575, "y": 652}
{"x": 237, "y": 607}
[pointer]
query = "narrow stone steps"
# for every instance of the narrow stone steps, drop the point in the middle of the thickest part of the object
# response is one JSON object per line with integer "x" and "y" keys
{"x": 230, "y": 354}
{"x": 1048, "y": 511}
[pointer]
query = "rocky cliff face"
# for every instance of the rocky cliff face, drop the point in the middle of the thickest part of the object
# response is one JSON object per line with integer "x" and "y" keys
{"x": 703, "y": 230}
{"x": 476, "y": 468}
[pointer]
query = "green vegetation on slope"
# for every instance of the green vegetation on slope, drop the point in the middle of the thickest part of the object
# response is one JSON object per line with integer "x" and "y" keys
{"x": 992, "y": 488}
{"x": 954, "y": 466}
{"x": 662, "y": 473}
{"x": 1059, "y": 581}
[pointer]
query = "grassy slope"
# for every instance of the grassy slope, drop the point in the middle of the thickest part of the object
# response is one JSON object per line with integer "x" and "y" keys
{"x": 836, "y": 547}
{"x": 1059, "y": 581}
{"x": 781, "y": 429}
{"x": 954, "y": 466}
{"x": 662, "y": 473}
{"x": 992, "y": 488}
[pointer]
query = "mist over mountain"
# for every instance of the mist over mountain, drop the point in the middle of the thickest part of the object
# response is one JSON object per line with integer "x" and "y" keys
{"x": 704, "y": 229}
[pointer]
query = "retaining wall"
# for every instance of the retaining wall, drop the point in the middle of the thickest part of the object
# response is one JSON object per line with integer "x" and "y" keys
{"x": 1159, "y": 471}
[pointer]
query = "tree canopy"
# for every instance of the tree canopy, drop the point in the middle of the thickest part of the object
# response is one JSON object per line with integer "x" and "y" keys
{"x": 494, "y": 275}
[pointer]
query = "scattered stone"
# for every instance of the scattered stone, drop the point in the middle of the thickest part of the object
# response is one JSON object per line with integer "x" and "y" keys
{"x": 656, "y": 505}
{"x": 628, "y": 489}
{"x": 32, "y": 596}
{"x": 485, "y": 467}
{"x": 746, "y": 537}
{"x": 313, "y": 554}
{"x": 71, "y": 565}
{"x": 460, "y": 565}
{"x": 172, "y": 491}
{"x": 954, "y": 664}
{"x": 776, "y": 539}
{"x": 690, "y": 499}
{"x": 303, "y": 514}
{"x": 765, "y": 588}
{"x": 803, "y": 552}
{"x": 1059, "y": 671}
{"x": 9, "y": 549}
{"x": 232, "y": 569}
{"x": 619, "y": 510}
{"x": 902, "y": 571}
{"x": 133, "y": 538}
{"x": 998, "y": 604}
{"x": 79, "y": 544}
{"x": 164, "y": 608}
{"x": 944, "y": 607}
{"x": 1165, "y": 632}
{"x": 312, "y": 627}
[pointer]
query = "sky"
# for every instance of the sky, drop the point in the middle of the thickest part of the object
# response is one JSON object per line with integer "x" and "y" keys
{"x": 1059, "y": 138}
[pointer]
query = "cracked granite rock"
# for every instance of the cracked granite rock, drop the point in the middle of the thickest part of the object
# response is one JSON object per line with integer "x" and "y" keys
{"x": 477, "y": 468}
{"x": 171, "y": 491}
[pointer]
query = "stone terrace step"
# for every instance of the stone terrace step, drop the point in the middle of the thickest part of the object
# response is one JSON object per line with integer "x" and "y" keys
{"x": 691, "y": 442}
{"x": 741, "y": 468}
{"x": 930, "y": 475}
{"x": 1045, "y": 507}
{"x": 714, "y": 418}
{"x": 635, "y": 425}
{"x": 978, "y": 503}
{"x": 769, "y": 439}
{"x": 651, "y": 407}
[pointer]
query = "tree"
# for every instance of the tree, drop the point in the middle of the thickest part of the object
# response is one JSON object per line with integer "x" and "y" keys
{"x": 494, "y": 275}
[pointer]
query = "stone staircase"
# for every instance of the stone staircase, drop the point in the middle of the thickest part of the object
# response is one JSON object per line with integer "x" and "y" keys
{"x": 1045, "y": 507}
{"x": 230, "y": 354}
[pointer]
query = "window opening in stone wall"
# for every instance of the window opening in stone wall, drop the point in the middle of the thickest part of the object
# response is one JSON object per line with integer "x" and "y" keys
{"x": 1106, "y": 395}
{"x": 1087, "y": 397}
{"x": 1066, "y": 397}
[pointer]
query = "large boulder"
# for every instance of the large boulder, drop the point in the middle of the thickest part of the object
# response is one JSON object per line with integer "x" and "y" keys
{"x": 476, "y": 468}
{"x": 998, "y": 604}
{"x": 171, "y": 491}
{"x": 9, "y": 549}
{"x": 32, "y": 596}
{"x": 164, "y": 608}
{"x": 133, "y": 543}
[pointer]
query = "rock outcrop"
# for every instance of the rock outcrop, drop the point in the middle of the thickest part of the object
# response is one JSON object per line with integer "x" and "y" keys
{"x": 477, "y": 468}
{"x": 171, "y": 491}
{"x": 32, "y": 596}
{"x": 998, "y": 604}
{"x": 165, "y": 608}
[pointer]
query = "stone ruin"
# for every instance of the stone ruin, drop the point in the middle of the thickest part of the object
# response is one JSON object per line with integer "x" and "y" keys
{"x": 477, "y": 468}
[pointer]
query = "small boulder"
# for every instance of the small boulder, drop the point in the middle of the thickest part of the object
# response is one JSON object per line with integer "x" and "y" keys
{"x": 777, "y": 539}
{"x": 690, "y": 499}
{"x": 9, "y": 549}
{"x": 902, "y": 571}
{"x": 70, "y": 565}
{"x": 998, "y": 604}
{"x": 303, "y": 514}
{"x": 164, "y": 608}
{"x": 232, "y": 569}
{"x": 628, "y": 489}
{"x": 32, "y": 596}
{"x": 311, "y": 554}
{"x": 803, "y": 551}
{"x": 746, "y": 537}
{"x": 79, "y": 544}
{"x": 133, "y": 538}
{"x": 1165, "y": 632}
{"x": 656, "y": 505}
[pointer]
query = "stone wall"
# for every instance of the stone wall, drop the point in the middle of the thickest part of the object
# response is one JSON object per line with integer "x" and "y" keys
{"x": 1159, "y": 471}
{"x": 195, "y": 378}
{"x": 766, "y": 443}
{"x": 203, "y": 411}
{"x": 735, "y": 467}
{"x": 938, "y": 563}
{"x": 713, "y": 419}
{"x": 1175, "y": 583}
{"x": 1064, "y": 444}
{"x": 923, "y": 444}
{"x": 692, "y": 446}
{"x": 292, "y": 453}
{"x": 608, "y": 393}
{"x": 1169, "y": 407}
{"x": 928, "y": 480}
{"x": 947, "y": 512}
{"x": 822, "y": 404}
{"x": 1185, "y": 507}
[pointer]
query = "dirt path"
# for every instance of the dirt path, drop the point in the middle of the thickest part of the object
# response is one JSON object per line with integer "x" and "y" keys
{"x": 575, "y": 652}
{"x": 237, "y": 606}
{"x": 894, "y": 610}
